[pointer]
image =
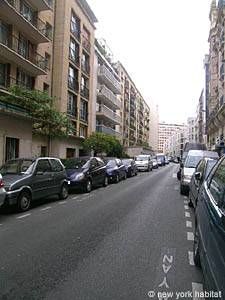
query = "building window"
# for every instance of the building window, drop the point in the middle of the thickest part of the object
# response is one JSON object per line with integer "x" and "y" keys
{"x": 84, "y": 88}
{"x": 46, "y": 88}
{"x": 48, "y": 29}
{"x": 86, "y": 39}
{"x": 83, "y": 131}
{"x": 43, "y": 151}
{"x": 47, "y": 61}
{"x": 70, "y": 152}
{"x": 3, "y": 75}
{"x": 72, "y": 79}
{"x": 4, "y": 33}
{"x": 27, "y": 12}
{"x": 84, "y": 111}
{"x": 12, "y": 148}
{"x": 74, "y": 51}
{"x": 24, "y": 79}
{"x": 72, "y": 105}
{"x": 75, "y": 25}
{"x": 85, "y": 63}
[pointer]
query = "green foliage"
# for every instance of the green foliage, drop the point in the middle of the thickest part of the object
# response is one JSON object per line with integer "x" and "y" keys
{"x": 46, "y": 119}
{"x": 103, "y": 143}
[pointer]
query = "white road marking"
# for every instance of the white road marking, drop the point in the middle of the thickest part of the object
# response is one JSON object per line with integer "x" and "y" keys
{"x": 176, "y": 188}
{"x": 185, "y": 202}
{"x": 197, "y": 290}
{"x": 23, "y": 216}
{"x": 190, "y": 236}
{"x": 189, "y": 224}
{"x": 187, "y": 214}
{"x": 74, "y": 198}
{"x": 185, "y": 197}
{"x": 1, "y": 224}
{"x": 186, "y": 207}
{"x": 191, "y": 258}
{"x": 174, "y": 175}
{"x": 62, "y": 202}
{"x": 45, "y": 208}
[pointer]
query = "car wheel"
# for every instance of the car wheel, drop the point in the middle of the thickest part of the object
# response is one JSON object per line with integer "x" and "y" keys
{"x": 182, "y": 191}
{"x": 24, "y": 201}
{"x": 106, "y": 181}
{"x": 88, "y": 186}
{"x": 117, "y": 178}
{"x": 196, "y": 249}
{"x": 135, "y": 173}
{"x": 64, "y": 192}
{"x": 190, "y": 203}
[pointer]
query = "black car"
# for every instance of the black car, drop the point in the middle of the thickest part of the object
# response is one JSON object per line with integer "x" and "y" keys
{"x": 85, "y": 172}
{"x": 131, "y": 167}
{"x": 26, "y": 180}
{"x": 209, "y": 241}
{"x": 115, "y": 169}
{"x": 201, "y": 173}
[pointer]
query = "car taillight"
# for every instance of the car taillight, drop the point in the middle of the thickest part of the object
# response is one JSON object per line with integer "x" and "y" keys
{"x": 1, "y": 183}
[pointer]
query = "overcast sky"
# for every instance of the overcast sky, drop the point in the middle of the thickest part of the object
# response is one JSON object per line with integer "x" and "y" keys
{"x": 162, "y": 44}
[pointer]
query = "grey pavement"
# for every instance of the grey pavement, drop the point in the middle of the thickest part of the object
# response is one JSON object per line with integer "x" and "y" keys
{"x": 118, "y": 242}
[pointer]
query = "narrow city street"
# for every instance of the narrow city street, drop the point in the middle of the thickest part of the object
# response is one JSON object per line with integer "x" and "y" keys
{"x": 127, "y": 241}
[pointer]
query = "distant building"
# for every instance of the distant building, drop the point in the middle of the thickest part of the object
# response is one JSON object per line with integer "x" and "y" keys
{"x": 154, "y": 127}
{"x": 165, "y": 132}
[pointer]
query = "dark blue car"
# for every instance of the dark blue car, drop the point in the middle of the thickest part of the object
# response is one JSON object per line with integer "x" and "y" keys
{"x": 115, "y": 169}
{"x": 209, "y": 242}
{"x": 85, "y": 172}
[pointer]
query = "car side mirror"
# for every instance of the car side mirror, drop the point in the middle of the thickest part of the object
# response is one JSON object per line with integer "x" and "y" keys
{"x": 198, "y": 176}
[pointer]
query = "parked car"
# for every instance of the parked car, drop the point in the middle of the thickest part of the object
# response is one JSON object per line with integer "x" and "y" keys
{"x": 209, "y": 240}
{"x": 166, "y": 160}
{"x": 85, "y": 173}
{"x": 187, "y": 147}
{"x": 201, "y": 173}
{"x": 161, "y": 159}
{"x": 115, "y": 169}
{"x": 2, "y": 191}
{"x": 192, "y": 159}
{"x": 28, "y": 179}
{"x": 154, "y": 163}
{"x": 131, "y": 167}
{"x": 144, "y": 162}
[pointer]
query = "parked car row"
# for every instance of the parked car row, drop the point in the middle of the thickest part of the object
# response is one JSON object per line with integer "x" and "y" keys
{"x": 204, "y": 174}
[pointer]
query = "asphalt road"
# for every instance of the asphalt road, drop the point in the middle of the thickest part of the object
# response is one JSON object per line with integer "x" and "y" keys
{"x": 128, "y": 241}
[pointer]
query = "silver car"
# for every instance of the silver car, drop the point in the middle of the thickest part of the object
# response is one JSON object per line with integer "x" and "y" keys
{"x": 2, "y": 191}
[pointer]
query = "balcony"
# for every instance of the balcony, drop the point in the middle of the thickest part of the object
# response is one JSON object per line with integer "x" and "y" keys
{"x": 108, "y": 130}
{"x": 12, "y": 51}
{"x": 107, "y": 78}
{"x": 73, "y": 84}
{"x": 12, "y": 109}
{"x": 41, "y": 5}
{"x": 7, "y": 82}
{"x": 35, "y": 29}
{"x": 107, "y": 114}
{"x": 108, "y": 98}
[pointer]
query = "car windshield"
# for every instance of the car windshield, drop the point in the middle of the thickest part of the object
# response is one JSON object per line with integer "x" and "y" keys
{"x": 77, "y": 163}
{"x": 210, "y": 165}
{"x": 17, "y": 167}
{"x": 192, "y": 161}
{"x": 111, "y": 163}
{"x": 126, "y": 162}
{"x": 141, "y": 158}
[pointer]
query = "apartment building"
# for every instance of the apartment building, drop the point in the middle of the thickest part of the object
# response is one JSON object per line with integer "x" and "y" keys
{"x": 191, "y": 135}
{"x": 25, "y": 59}
{"x": 216, "y": 71}
{"x": 174, "y": 145}
{"x": 135, "y": 112}
{"x": 165, "y": 132}
{"x": 107, "y": 88}
{"x": 154, "y": 126}
{"x": 73, "y": 72}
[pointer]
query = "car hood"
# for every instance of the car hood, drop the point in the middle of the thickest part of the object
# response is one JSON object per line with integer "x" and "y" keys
{"x": 141, "y": 162}
{"x": 188, "y": 171}
{"x": 10, "y": 179}
{"x": 73, "y": 172}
